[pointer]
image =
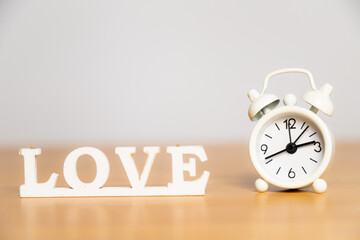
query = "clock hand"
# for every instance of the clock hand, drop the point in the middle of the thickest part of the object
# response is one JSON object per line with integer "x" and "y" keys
{"x": 295, "y": 146}
{"x": 289, "y": 130}
{"x": 301, "y": 134}
{"x": 307, "y": 143}
{"x": 275, "y": 154}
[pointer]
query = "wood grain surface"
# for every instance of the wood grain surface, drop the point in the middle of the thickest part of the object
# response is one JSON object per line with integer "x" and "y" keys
{"x": 231, "y": 209}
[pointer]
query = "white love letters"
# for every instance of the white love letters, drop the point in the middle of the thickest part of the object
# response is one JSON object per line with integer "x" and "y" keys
{"x": 178, "y": 186}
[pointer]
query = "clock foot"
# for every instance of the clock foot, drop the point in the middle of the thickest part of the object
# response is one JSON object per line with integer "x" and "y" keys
{"x": 319, "y": 185}
{"x": 261, "y": 185}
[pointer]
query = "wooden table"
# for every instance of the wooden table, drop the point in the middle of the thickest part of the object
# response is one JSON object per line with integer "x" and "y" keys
{"x": 231, "y": 209}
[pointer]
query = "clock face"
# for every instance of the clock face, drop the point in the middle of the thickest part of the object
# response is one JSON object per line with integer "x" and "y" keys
{"x": 290, "y": 147}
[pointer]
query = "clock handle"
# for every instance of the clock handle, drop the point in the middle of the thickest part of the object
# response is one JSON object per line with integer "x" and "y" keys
{"x": 318, "y": 99}
{"x": 289, "y": 70}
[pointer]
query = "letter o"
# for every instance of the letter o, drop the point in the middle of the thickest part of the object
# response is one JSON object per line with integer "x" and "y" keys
{"x": 102, "y": 168}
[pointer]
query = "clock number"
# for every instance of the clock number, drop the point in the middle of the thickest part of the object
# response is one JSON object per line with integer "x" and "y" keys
{"x": 291, "y": 122}
{"x": 291, "y": 173}
{"x": 264, "y": 148}
{"x": 318, "y": 147}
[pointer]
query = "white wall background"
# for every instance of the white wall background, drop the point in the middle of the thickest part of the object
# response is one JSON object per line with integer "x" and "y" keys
{"x": 154, "y": 72}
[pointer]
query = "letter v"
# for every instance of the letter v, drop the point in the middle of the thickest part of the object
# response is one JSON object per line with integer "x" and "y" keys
{"x": 125, "y": 154}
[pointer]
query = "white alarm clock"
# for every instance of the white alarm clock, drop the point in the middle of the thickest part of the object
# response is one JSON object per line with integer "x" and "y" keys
{"x": 290, "y": 146}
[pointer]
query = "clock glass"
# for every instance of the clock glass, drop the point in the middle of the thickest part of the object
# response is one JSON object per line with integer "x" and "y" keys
{"x": 290, "y": 147}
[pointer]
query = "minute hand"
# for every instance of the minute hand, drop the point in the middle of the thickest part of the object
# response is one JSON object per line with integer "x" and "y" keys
{"x": 307, "y": 143}
{"x": 275, "y": 154}
{"x": 300, "y": 145}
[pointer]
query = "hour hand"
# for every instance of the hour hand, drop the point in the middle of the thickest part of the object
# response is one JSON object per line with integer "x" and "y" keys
{"x": 307, "y": 143}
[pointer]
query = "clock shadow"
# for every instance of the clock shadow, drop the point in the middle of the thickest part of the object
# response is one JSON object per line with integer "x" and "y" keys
{"x": 249, "y": 183}
{"x": 277, "y": 189}
{"x": 290, "y": 190}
